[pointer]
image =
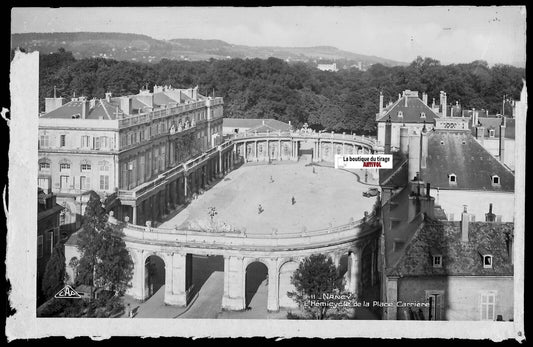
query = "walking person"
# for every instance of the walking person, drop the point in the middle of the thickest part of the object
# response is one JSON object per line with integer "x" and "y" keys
{"x": 293, "y": 200}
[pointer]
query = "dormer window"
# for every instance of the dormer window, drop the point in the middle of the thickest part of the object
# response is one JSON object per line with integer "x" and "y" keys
{"x": 495, "y": 180}
{"x": 437, "y": 260}
{"x": 491, "y": 132}
{"x": 423, "y": 115}
{"x": 452, "y": 179}
{"x": 400, "y": 114}
{"x": 487, "y": 261}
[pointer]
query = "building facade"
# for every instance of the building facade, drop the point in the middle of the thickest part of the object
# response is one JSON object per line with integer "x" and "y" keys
{"x": 119, "y": 145}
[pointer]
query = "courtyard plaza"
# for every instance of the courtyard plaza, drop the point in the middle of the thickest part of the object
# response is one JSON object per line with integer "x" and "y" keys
{"x": 323, "y": 196}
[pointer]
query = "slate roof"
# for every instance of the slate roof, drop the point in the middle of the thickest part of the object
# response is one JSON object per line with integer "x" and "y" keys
{"x": 101, "y": 108}
{"x": 457, "y": 152}
{"x": 256, "y": 124}
{"x": 397, "y": 176}
{"x": 411, "y": 113}
{"x": 494, "y": 123}
{"x": 458, "y": 258}
{"x": 162, "y": 99}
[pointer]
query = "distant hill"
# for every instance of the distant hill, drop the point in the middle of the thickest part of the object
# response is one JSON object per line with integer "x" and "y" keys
{"x": 142, "y": 48}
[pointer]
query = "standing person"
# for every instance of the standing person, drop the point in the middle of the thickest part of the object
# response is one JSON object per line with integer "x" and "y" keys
{"x": 293, "y": 200}
{"x": 128, "y": 311}
{"x": 259, "y": 209}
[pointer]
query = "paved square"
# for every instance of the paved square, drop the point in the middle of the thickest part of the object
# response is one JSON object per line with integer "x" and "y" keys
{"x": 321, "y": 197}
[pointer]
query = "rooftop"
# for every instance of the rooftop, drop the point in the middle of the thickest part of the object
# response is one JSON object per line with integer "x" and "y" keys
{"x": 457, "y": 152}
{"x": 458, "y": 258}
{"x": 410, "y": 113}
{"x": 257, "y": 124}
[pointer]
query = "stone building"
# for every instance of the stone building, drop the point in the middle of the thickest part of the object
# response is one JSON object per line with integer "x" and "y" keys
{"x": 125, "y": 148}
{"x": 454, "y": 271}
{"x": 435, "y": 174}
{"x": 410, "y": 112}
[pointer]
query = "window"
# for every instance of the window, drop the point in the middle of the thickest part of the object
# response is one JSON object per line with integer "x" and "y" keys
{"x": 62, "y": 140}
{"x": 452, "y": 179}
{"x": 43, "y": 141}
{"x": 103, "y": 142}
{"x": 437, "y": 261}
{"x": 104, "y": 167}
{"x": 495, "y": 180}
{"x": 85, "y": 183}
{"x": 435, "y": 300}
{"x": 40, "y": 246}
{"x": 44, "y": 184}
{"x": 488, "y": 304}
{"x": 44, "y": 166}
{"x": 423, "y": 115}
{"x": 487, "y": 261}
{"x": 85, "y": 141}
{"x": 491, "y": 132}
{"x": 64, "y": 167}
{"x": 96, "y": 143}
{"x": 51, "y": 240}
{"x": 85, "y": 167}
{"x": 104, "y": 182}
{"x": 63, "y": 181}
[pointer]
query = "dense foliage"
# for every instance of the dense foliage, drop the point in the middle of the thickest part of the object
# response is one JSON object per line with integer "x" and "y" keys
{"x": 54, "y": 274}
{"x": 346, "y": 100}
{"x": 316, "y": 276}
{"x": 105, "y": 261}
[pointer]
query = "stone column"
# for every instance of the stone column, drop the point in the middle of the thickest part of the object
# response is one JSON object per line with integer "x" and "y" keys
{"x": 177, "y": 293}
{"x": 336, "y": 259}
{"x": 134, "y": 219}
{"x": 355, "y": 271}
{"x": 137, "y": 282}
{"x": 185, "y": 183}
{"x": 255, "y": 151}
{"x": 279, "y": 149}
{"x": 391, "y": 313}
{"x": 245, "y": 151}
{"x": 234, "y": 284}
{"x": 273, "y": 287}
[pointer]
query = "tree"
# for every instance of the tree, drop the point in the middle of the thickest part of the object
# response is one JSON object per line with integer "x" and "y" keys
{"x": 54, "y": 273}
{"x": 315, "y": 276}
{"x": 104, "y": 261}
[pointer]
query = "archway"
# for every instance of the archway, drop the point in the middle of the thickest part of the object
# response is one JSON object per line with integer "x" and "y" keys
{"x": 285, "y": 273}
{"x": 343, "y": 269}
{"x": 154, "y": 275}
{"x": 256, "y": 286}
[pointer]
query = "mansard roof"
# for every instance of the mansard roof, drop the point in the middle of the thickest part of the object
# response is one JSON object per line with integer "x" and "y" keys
{"x": 410, "y": 113}
{"x": 457, "y": 152}
{"x": 101, "y": 109}
{"x": 458, "y": 258}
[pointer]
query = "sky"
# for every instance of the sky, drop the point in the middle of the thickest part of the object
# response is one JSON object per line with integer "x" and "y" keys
{"x": 451, "y": 34}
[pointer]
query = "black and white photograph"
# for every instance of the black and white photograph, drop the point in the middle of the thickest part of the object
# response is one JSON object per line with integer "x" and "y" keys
{"x": 304, "y": 171}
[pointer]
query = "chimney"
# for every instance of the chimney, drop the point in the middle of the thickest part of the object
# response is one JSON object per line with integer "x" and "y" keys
{"x": 465, "y": 219}
{"x": 263, "y": 122}
{"x": 502, "y": 142}
{"x": 425, "y": 98}
{"x": 480, "y": 133}
{"x": 126, "y": 105}
{"x": 444, "y": 106}
{"x": 490, "y": 217}
{"x": 433, "y": 104}
{"x": 84, "y": 108}
{"x": 388, "y": 131}
{"x": 380, "y": 103}
{"x": 399, "y": 96}
{"x": 108, "y": 96}
{"x": 404, "y": 140}
{"x": 413, "y": 156}
{"x": 51, "y": 104}
{"x": 423, "y": 147}
{"x": 405, "y": 96}
{"x": 428, "y": 189}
